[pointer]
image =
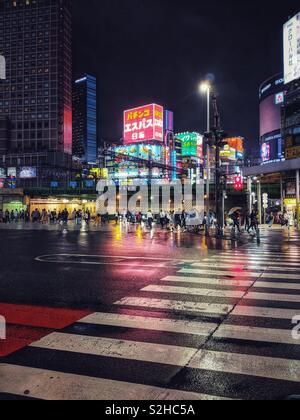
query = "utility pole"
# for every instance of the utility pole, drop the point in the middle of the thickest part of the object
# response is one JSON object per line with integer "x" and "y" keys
{"x": 215, "y": 138}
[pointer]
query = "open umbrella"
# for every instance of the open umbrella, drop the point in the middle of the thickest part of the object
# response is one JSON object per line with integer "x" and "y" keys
{"x": 234, "y": 210}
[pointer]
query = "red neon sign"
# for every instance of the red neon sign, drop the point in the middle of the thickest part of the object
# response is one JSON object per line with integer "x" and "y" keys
{"x": 238, "y": 183}
{"x": 144, "y": 124}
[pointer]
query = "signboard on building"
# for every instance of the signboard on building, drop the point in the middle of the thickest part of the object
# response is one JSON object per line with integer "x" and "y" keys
{"x": 28, "y": 172}
{"x": 144, "y": 124}
{"x": 228, "y": 153}
{"x": 291, "y": 34}
{"x": 192, "y": 144}
{"x": 292, "y": 146}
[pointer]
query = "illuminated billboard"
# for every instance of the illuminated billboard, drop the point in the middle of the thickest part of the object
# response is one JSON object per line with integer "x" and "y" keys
{"x": 28, "y": 172}
{"x": 270, "y": 115}
{"x": 228, "y": 153}
{"x": 192, "y": 144}
{"x": 144, "y": 124}
{"x": 291, "y": 34}
{"x": 142, "y": 151}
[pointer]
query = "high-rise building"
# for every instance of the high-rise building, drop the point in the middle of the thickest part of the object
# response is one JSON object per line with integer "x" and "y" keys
{"x": 85, "y": 119}
{"x": 36, "y": 97}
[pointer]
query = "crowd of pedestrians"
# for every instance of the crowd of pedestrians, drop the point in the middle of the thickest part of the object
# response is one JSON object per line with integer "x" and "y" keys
{"x": 166, "y": 220}
{"x": 44, "y": 216}
{"x": 14, "y": 216}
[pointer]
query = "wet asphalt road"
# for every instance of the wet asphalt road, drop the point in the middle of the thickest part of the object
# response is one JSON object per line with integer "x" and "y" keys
{"x": 25, "y": 280}
{"x": 117, "y": 314}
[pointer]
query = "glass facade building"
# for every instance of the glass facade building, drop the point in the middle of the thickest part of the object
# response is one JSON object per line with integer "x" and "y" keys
{"x": 36, "y": 97}
{"x": 85, "y": 119}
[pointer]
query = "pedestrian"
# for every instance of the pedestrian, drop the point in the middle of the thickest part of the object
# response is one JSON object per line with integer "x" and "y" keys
{"x": 150, "y": 219}
{"x": 253, "y": 222}
{"x": 177, "y": 220}
{"x": 183, "y": 220}
{"x": 236, "y": 221}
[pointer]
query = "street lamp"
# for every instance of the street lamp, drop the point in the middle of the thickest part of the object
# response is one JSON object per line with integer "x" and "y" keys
{"x": 205, "y": 88}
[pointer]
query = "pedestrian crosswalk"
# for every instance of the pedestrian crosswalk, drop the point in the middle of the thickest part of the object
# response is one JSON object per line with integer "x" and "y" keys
{"x": 217, "y": 328}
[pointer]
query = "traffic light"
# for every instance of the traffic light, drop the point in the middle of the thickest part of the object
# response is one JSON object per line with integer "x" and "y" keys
{"x": 238, "y": 182}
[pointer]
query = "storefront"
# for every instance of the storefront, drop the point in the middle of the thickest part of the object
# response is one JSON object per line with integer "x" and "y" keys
{"x": 290, "y": 205}
{"x": 61, "y": 203}
{"x": 12, "y": 200}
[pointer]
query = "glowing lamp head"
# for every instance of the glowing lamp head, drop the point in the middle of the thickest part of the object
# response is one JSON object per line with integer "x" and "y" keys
{"x": 204, "y": 87}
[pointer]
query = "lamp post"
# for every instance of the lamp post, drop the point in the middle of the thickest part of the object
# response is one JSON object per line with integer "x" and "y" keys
{"x": 205, "y": 88}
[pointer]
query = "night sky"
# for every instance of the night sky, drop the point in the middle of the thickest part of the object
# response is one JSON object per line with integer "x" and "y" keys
{"x": 145, "y": 51}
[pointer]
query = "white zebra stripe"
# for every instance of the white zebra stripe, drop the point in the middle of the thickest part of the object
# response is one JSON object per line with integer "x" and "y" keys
{"x": 272, "y": 285}
{"x": 245, "y": 266}
{"x": 256, "y": 259}
{"x": 258, "y": 312}
{"x": 154, "y": 324}
{"x": 120, "y": 349}
{"x": 215, "y": 282}
{"x": 174, "y": 305}
{"x": 194, "y": 292}
{"x": 52, "y": 386}
{"x": 272, "y": 297}
{"x": 246, "y": 262}
{"x": 267, "y": 335}
{"x": 240, "y": 274}
{"x": 245, "y": 364}
{"x": 218, "y": 273}
{"x": 235, "y": 283}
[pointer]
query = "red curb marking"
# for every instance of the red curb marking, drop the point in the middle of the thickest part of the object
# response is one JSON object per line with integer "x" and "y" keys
{"x": 27, "y": 324}
{"x": 20, "y": 337}
{"x": 42, "y": 317}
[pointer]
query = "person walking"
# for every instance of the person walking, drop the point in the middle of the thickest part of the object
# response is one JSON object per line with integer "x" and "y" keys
{"x": 162, "y": 219}
{"x": 253, "y": 222}
{"x": 236, "y": 221}
{"x": 150, "y": 219}
{"x": 183, "y": 220}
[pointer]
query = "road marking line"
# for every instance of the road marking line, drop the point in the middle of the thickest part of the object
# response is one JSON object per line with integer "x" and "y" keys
{"x": 120, "y": 349}
{"x": 219, "y": 273}
{"x": 245, "y": 364}
{"x": 245, "y": 267}
{"x": 216, "y": 282}
{"x": 257, "y": 312}
{"x": 268, "y": 335}
{"x": 202, "y": 329}
{"x": 272, "y": 297}
{"x": 194, "y": 292}
{"x": 256, "y": 259}
{"x": 247, "y": 263}
{"x": 50, "y": 385}
{"x": 233, "y": 273}
{"x": 174, "y": 305}
{"x": 154, "y": 324}
{"x": 227, "y": 265}
{"x": 281, "y": 276}
{"x": 272, "y": 285}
